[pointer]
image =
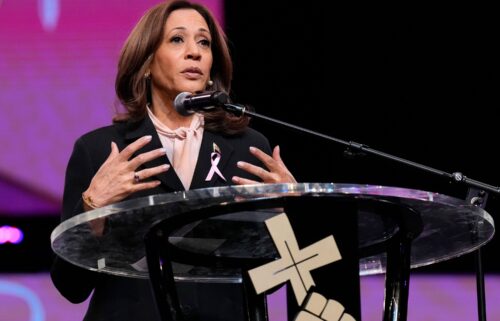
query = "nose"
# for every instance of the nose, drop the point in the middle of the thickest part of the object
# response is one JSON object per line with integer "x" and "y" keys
{"x": 193, "y": 51}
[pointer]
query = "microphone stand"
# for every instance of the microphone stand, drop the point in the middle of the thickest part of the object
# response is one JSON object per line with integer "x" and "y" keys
{"x": 477, "y": 194}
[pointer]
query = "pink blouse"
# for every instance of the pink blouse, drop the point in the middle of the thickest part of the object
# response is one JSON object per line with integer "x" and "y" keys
{"x": 182, "y": 146}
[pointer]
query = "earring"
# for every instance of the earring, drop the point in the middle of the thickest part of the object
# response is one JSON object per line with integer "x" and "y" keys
{"x": 210, "y": 83}
{"x": 147, "y": 80}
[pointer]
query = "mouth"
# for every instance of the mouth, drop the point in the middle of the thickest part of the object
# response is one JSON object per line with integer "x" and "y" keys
{"x": 192, "y": 70}
{"x": 192, "y": 73}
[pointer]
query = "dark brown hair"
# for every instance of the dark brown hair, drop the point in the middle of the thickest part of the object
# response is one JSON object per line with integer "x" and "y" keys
{"x": 143, "y": 42}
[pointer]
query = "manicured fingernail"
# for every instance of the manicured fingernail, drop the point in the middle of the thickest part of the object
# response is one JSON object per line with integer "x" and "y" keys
{"x": 252, "y": 149}
{"x": 147, "y": 137}
{"x": 162, "y": 150}
{"x": 239, "y": 164}
{"x": 165, "y": 167}
{"x": 236, "y": 179}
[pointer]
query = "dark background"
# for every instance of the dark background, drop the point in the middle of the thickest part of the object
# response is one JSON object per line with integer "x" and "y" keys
{"x": 417, "y": 82}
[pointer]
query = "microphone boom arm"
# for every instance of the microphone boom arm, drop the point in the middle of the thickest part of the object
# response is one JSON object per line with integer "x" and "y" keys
{"x": 456, "y": 177}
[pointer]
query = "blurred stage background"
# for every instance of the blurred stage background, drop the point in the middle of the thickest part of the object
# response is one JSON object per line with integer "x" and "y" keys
{"x": 417, "y": 82}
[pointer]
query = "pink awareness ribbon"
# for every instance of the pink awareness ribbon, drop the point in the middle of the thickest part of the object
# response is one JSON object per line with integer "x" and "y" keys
{"x": 214, "y": 159}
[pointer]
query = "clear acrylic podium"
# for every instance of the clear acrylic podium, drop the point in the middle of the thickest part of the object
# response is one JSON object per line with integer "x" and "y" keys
{"x": 397, "y": 229}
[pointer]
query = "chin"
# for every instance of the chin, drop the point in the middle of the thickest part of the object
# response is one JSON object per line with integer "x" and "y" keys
{"x": 196, "y": 89}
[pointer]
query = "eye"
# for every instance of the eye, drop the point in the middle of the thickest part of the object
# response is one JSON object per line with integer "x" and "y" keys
{"x": 176, "y": 39}
{"x": 205, "y": 43}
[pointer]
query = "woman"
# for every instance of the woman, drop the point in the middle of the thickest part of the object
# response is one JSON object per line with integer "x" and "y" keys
{"x": 176, "y": 47}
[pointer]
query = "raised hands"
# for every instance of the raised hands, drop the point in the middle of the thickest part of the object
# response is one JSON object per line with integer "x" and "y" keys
{"x": 276, "y": 171}
{"x": 117, "y": 178}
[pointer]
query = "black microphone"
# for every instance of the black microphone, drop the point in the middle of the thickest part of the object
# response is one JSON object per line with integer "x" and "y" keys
{"x": 186, "y": 103}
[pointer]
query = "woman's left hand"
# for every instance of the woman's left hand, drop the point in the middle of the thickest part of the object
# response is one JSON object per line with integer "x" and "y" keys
{"x": 276, "y": 170}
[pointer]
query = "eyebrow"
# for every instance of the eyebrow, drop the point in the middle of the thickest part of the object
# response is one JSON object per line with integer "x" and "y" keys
{"x": 184, "y": 28}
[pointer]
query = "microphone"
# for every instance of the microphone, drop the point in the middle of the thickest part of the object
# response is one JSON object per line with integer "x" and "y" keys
{"x": 186, "y": 103}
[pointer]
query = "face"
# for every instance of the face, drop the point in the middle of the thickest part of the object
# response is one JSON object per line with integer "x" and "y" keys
{"x": 184, "y": 58}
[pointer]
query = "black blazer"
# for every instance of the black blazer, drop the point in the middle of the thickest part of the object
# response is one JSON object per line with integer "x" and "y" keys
{"x": 118, "y": 298}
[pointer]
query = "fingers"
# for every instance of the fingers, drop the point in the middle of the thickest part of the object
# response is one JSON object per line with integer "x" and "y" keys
{"x": 128, "y": 151}
{"x": 142, "y": 158}
{"x": 285, "y": 173}
{"x": 115, "y": 179}
{"x": 276, "y": 171}
{"x": 243, "y": 181}
{"x": 276, "y": 154}
{"x": 114, "y": 152}
{"x": 150, "y": 172}
{"x": 267, "y": 160}
{"x": 146, "y": 157}
{"x": 114, "y": 149}
{"x": 139, "y": 177}
{"x": 144, "y": 185}
{"x": 254, "y": 170}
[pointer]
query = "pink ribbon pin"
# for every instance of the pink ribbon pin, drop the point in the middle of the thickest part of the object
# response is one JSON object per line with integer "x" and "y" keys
{"x": 214, "y": 159}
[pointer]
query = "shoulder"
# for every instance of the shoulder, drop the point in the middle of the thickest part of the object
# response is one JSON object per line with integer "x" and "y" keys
{"x": 116, "y": 129}
{"x": 98, "y": 141}
{"x": 250, "y": 135}
{"x": 255, "y": 135}
{"x": 104, "y": 135}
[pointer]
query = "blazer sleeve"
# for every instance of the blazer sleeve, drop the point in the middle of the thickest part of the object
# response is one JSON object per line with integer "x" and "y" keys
{"x": 73, "y": 282}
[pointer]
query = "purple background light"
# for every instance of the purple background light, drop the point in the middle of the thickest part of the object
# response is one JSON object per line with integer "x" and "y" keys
{"x": 57, "y": 65}
{"x": 10, "y": 234}
{"x": 432, "y": 298}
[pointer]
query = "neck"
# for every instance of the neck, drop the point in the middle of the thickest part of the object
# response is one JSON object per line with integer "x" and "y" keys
{"x": 164, "y": 110}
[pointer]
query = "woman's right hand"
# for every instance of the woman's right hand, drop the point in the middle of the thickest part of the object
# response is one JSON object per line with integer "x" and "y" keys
{"x": 117, "y": 177}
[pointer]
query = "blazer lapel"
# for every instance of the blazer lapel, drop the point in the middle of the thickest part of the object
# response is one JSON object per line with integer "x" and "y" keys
{"x": 204, "y": 163}
{"x": 146, "y": 127}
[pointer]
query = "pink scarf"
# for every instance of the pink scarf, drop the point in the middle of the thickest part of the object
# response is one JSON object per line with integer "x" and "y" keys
{"x": 182, "y": 145}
